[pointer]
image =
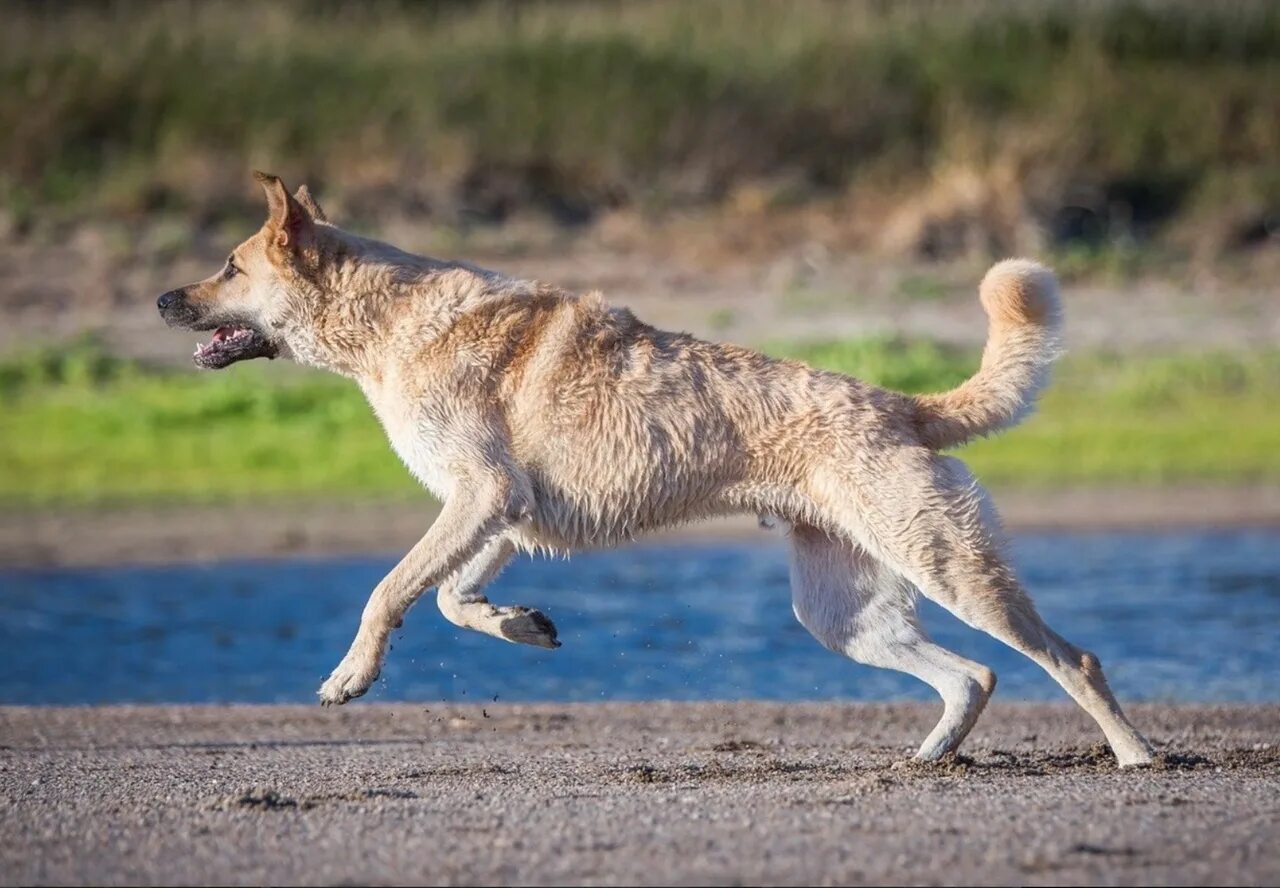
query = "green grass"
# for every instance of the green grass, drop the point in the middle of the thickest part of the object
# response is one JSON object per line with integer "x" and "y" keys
{"x": 82, "y": 429}
{"x": 1126, "y": 115}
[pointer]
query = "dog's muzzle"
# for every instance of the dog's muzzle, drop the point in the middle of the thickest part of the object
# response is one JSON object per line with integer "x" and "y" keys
{"x": 176, "y": 309}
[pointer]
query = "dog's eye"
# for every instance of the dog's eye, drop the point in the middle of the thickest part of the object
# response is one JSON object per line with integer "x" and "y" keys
{"x": 231, "y": 272}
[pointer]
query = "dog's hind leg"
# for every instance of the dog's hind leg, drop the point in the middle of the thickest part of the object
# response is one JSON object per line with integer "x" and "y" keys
{"x": 462, "y": 601}
{"x": 857, "y": 606}
{"x": 926, "y": 516}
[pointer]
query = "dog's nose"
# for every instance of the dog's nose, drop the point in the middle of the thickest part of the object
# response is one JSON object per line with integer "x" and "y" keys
{"x": 169, "y": 299}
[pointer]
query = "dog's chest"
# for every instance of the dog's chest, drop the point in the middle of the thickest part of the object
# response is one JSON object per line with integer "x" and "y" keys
{"x": 414, "y": 437}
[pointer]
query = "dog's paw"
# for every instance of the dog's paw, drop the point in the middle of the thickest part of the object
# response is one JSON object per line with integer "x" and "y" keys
{"x": 1135, "y": 757}
{"x": 351, "y": 679}
{"x": 524, "y": 625}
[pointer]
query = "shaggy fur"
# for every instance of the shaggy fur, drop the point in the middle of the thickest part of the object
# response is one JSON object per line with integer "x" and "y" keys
{"x": 546, "y": 421}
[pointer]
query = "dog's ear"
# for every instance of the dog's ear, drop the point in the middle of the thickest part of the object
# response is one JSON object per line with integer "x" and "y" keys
{"x": 287, "y": 217}
{"x": 303, "y": 196}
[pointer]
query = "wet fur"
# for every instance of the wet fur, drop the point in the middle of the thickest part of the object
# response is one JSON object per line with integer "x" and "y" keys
{"x": 545, "y": 421}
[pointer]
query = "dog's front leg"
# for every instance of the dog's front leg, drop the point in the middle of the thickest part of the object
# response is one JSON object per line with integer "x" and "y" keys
{"x": 473, "y": 515}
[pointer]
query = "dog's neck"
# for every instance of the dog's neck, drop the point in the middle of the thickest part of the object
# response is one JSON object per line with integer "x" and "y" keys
{"x": 370, "y": 303}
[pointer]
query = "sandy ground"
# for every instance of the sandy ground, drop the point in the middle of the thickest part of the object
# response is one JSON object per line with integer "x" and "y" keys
{"x": 652, "y": 793}
{"x": 201, "y": 533}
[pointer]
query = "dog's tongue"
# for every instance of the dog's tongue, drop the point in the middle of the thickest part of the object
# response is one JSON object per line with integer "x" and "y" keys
{"x": 222, "y": 333}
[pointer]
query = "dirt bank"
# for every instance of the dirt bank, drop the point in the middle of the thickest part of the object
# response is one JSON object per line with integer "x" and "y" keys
{"x": 201, "y": 533}
{"x": 652, "y": 793}
{"x": 702, "y": 280}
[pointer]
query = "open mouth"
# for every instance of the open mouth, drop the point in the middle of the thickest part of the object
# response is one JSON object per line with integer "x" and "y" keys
{"x": 230, "y": 344}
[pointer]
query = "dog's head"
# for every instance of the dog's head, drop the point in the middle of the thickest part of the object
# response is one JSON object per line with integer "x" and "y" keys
{"x": 251, "y": 300}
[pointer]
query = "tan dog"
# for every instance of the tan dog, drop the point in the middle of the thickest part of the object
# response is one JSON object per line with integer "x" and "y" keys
{"x": 542, "y": 420}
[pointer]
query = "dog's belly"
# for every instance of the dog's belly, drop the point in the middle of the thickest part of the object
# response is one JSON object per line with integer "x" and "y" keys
{"x": 563, "y": 526}
{"x": 563, "y": 521}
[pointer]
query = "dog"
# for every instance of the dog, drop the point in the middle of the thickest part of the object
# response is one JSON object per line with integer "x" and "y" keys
{"x": 546, "y": 421}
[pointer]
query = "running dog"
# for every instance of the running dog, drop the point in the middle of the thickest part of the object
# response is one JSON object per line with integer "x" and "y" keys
{"x": 546, "y": 421}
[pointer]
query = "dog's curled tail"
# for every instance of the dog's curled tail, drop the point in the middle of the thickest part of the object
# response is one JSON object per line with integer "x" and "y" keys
{"x": 1023, "y": 340}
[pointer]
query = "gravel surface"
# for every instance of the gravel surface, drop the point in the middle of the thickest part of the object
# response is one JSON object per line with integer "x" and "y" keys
{"x": 648, "y": 793}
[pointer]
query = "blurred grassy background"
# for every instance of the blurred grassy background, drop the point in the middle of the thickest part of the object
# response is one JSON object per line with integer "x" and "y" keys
{"x": 1086, "y": 132}
{"x": 995, "y": 125}
{"x": 84, "y": 428}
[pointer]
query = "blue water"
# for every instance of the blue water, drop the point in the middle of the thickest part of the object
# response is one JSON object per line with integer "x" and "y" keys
{"x": 1174, "y": 616}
